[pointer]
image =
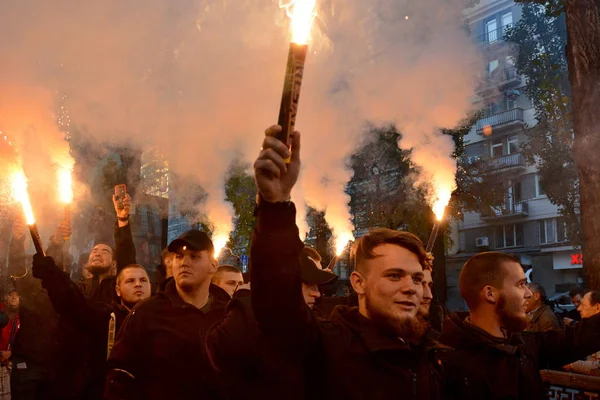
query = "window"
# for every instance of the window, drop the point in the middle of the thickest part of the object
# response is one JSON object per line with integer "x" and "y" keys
{"x": 492, "y": 66}
{"x": 562, "y": 230}
{"x": 509, "y": 236}
{"x": 497, "y": 148}
{"x": 506, "y": 20}
{"x": 539, "y": 191}
{"x": 491, "y": 31}
{"x": 509, "y": 103}
{"x": 554, "y": 230}
{"x": 514, "y": 192}
{"x": 513, "y": 144}
{"x": 547, "y": 231}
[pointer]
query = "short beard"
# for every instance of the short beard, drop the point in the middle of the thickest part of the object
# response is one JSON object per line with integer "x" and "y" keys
{"x": 409, "y": 328}
{"x": 511, "y": 323}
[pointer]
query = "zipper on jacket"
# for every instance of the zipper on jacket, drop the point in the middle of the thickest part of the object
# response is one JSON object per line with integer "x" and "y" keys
{"x": 415, "y": 385}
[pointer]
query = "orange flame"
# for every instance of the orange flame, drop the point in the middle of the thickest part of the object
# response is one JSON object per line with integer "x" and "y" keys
{"x": 443, "y": 195}
{"x": 19, "y": 189}
{"x": 219, "y": 242}
{"x": 302, "y": 13}
{"x": 341, "y": 242}
{"x": 65, "y": 185}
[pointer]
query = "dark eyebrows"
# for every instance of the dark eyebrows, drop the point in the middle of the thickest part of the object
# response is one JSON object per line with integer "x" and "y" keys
{"x": 524, "y": 280}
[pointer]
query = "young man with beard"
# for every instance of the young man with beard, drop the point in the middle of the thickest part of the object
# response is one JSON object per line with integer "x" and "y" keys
{"x": 160, "y": 352}
{"x": 367, "y": 352}
{"x": 97, "y": 322}
{"x": 104, "y": 262}
{"x": 492, "y": 358}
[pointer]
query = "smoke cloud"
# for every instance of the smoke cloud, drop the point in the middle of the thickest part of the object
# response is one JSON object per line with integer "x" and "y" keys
{"x": 202, "y": 80}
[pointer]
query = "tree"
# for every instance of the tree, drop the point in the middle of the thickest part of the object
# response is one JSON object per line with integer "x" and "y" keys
{"x": 240, "y": 190}
{"x": 382, "y": 189}
{"x": 541, "y": 37}
{"x": 583, "y": 60}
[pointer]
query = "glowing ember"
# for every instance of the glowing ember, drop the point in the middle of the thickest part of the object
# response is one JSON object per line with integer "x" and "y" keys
{"x": 341, "y": 242}
{"x": 302, "y": 13}
{"x": 440, "y": 203}
{"x": 65, "y": 188}
{"x": 219, "y": 241}
{"x": 19, "y": 193}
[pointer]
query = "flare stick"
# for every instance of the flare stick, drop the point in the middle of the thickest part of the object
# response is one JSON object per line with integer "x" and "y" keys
{"x": 432, "y": 237}
{"x": 332, "y": 263}
{"x": 291, "y": 91}
{"x": 37, "y": 241}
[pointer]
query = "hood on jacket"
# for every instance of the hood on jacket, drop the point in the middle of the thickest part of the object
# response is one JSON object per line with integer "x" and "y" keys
{"x": 459, "y": 333}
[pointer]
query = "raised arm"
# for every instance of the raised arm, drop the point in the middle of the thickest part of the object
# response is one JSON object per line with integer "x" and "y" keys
{"x": 277, "y": 299}
{"x": 124, "y": 247}
{"x": 67, "y": 299}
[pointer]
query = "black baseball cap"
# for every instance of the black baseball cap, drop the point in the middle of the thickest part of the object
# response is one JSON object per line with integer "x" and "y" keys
{"x": 194, "y": 239}
{"x": 313, "y": 275}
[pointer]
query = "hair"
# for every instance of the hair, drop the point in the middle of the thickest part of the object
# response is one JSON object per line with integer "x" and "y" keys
{"x": 537, "y": 288}
{"x": 130, "y": 266}
{"x": 594, "y": 297}
{"x": 227, "y": 268}
{"x": 481, "y": 270}
{"x": 363, "y": 248}
{"x": 312, "y": 253}
{"x": 576, "y": 291}
{"x": 164, "y": 254}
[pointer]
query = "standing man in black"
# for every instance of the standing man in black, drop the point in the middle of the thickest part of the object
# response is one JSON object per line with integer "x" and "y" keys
{"x": 160, "y": 352}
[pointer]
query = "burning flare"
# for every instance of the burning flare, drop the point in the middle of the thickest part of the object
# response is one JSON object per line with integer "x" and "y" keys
{"x": 219, "y": 241}
{"x": 341, "y": 242}
{"x": 65, "y": 185}
{"x": 19, "y": 193}
{"x": 301, "y": 13}
{"x": 442, "y": 199}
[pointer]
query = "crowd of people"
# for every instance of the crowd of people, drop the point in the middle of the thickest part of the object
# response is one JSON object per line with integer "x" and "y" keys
{"x": 202, "y": 330}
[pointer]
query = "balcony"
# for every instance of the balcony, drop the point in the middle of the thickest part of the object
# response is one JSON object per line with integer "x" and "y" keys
{"x": 494, "y": 36}
{"x": 510, "y": 209}
{"x": 501, "y": 120}
{"x": 508, "y": 161}
{"x": 500, "y": 79}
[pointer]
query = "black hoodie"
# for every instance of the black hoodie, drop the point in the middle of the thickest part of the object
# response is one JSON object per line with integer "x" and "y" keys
{"x": 486, "y": 367}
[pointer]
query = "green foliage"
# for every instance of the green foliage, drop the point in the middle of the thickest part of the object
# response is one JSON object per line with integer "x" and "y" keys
{"x": 541, "y": 39}
{"x": 477, "y": 189}
{"x": 240, "y": 191}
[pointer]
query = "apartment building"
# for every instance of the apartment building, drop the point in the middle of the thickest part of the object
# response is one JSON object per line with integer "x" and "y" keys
{"x": 526, "y": 224}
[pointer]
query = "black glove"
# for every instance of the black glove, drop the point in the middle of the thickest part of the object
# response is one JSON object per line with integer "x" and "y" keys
{"x": 43, "y": 266}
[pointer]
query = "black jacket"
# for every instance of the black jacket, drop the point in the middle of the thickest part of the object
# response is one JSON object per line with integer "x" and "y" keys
{"x": 77, "y": 364}
{"x": 482, "y": 366}
{"x": 353, "y": 358}
{"x": 90, "y": 319}
{"x": 34, "y": 344}
{"x": 250, "y": 364}
{"x": 161, "y": 344}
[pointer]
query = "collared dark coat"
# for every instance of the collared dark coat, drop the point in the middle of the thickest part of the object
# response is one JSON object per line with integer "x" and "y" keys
{"x": 352, "y": 356}
{"x": 161, "y": 344}
{"x": 543, "y": 320}
{"x": 482, "y": 366}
